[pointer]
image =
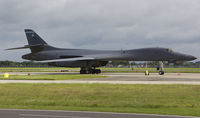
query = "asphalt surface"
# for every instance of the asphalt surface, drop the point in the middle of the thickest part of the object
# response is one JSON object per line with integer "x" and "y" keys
{"x": 5, "y": 113}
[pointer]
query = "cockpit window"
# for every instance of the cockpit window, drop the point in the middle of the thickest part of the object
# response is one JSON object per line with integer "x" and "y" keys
{"x": 169, "y": 50}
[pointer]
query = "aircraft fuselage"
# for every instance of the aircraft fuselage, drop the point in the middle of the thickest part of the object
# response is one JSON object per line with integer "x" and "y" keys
{"x": 144, "y": 54}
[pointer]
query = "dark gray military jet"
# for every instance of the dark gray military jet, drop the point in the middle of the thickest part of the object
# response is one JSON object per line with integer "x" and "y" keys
{"x": 88, "y": 60}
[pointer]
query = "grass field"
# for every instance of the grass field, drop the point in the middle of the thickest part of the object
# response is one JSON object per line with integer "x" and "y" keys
{"x": 56, "y": 69}
{"x": 156, "y": 99}
{"x": 50, "y": 77}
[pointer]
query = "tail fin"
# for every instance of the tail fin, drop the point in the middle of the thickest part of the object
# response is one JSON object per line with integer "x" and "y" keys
{"x": 35, "y": 42}
{"x": 33, "y": 38}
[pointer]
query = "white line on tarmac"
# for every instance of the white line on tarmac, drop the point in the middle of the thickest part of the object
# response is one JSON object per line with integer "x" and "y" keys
{"x": 100, "y": 82}
{"x": 53, "y": 116}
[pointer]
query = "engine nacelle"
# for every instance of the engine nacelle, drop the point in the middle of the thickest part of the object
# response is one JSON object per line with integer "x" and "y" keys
{"x": 79, "y": 63}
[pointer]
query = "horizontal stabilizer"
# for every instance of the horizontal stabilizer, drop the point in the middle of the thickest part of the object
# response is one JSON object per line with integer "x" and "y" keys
{"x": 26, "y": 46}
{"x": 68, "y": 59}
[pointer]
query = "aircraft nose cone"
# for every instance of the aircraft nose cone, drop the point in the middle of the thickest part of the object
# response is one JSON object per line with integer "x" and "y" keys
{"x": 192, "y": 57}
{"x": 24, "y": 57}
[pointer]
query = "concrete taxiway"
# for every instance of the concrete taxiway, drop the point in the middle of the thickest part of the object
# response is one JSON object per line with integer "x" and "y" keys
{"x": 118, "y": 78}
{"x": 6, "y": 113}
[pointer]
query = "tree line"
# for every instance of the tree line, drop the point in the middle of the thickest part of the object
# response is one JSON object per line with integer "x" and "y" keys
{"x": 22, "y": 64}
{"x": 110, "y": 64}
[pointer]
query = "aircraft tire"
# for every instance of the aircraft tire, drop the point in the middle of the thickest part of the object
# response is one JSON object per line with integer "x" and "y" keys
{"x": 161, "y": 72}
{"x": 93, "y": 71}
{"x": 88, "y": 71}
{"x": 98, "y": 71}
{"x": 83, "y": 72}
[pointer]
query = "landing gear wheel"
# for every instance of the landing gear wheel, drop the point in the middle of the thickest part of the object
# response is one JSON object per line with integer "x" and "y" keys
{"x": 84, "y": 72}
{"x": 93, "y": 71}
{"x": 161, "y": 72}
{"x": 97, "y": 71}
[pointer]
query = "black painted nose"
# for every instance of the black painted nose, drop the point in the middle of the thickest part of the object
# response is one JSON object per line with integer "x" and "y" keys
{"x": 24, "y": 57}
{"x": 193, "y": 58}
{"x": 190, "y": 57}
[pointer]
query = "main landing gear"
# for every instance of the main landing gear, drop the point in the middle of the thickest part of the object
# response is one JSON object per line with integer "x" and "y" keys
{"x": 89, "y": 70}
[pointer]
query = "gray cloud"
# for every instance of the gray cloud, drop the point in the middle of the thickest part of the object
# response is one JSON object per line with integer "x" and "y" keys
{"x": 101, "y": 24}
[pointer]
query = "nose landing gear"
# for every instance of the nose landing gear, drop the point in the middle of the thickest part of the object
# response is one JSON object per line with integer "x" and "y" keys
{"x": 161, "y": 69}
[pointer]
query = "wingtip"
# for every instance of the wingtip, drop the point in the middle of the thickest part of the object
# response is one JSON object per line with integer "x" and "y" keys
{"x": 7, "y": 49}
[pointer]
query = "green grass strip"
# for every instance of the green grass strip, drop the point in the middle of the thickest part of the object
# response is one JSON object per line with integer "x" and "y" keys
{"x": 50, "y": 77}
{"x": 154, "y": 99}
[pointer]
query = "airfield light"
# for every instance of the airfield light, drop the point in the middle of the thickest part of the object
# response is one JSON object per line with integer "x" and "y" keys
{"x": 6, "y": 75}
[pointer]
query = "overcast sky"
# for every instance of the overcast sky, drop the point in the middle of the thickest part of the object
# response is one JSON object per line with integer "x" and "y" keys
{"x": 101, "y": 24}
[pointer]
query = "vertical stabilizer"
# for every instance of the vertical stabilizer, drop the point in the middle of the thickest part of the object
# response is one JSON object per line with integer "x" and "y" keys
{"x": 33, "y": 38}
{"x": 35, "y": 42}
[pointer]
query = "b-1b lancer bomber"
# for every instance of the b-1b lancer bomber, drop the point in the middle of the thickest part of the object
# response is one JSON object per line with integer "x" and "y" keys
{"x": 88, "y": 60}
